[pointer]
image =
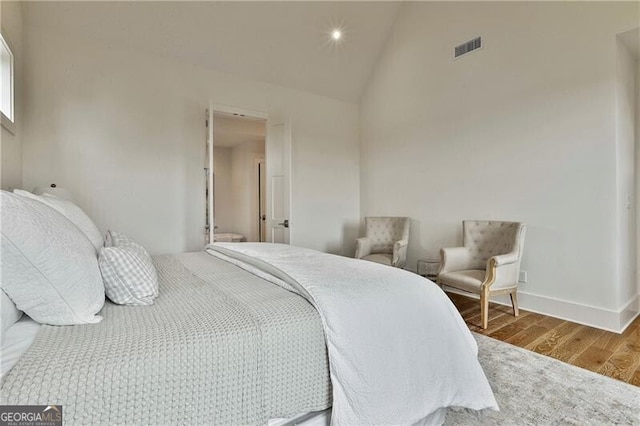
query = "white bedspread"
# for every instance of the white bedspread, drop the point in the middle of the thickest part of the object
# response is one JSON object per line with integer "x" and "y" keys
{"x": 399, "y": 352}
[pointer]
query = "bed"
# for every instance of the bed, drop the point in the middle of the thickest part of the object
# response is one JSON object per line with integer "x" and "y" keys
{"x": 252, "y": 333}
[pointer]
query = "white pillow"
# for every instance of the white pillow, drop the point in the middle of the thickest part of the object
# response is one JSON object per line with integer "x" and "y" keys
{"x": 71, "y": 212}
{"x": 9, "y": 314}
{"x": 129, "y": 275}
{"x": 116, "y": 239}
{"x": 49, "y": 268}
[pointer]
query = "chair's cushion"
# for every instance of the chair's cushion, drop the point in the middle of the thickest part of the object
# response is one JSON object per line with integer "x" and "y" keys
{"x": 486, "y": 238}
{"x": 385, "y": 231}
{"x": 383, "y": 258}
{"x": 468, "y": 280}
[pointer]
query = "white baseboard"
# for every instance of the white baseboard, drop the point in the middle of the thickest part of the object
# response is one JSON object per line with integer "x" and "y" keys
{"x": 616, "y": 321}
{"x": 629, "y": 312}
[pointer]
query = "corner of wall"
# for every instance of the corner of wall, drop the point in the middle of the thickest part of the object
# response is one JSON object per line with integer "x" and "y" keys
{"x": 629, "y": 313}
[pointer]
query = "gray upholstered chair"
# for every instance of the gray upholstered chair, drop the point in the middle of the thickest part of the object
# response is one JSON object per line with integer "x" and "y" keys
{"x": 386, "y": 241}
{"x": 488, "y": 264}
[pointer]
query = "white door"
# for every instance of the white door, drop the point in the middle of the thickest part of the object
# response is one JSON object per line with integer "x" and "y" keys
{"x": 278, "y": 168}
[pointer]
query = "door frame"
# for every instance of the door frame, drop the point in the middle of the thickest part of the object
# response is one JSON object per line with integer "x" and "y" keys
{"x": 259, "y": 168}
{"x": 271, "y": 119}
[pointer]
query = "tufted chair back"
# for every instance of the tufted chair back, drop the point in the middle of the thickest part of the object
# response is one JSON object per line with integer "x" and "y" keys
{"x": 385, "y": 231}
{"x": 485, "y": 238}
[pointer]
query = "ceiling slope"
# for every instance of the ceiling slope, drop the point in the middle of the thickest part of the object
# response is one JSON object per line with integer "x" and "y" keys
{"x": 282, "y": 43}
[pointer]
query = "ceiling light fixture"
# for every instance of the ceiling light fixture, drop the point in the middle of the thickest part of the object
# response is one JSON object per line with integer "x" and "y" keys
{"x": 336, "y": 34}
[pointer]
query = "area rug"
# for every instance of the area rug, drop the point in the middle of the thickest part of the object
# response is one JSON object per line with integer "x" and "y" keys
{"x": 532, "y": 389}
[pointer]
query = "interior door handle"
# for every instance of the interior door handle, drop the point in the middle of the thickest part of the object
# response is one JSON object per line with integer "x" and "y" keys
{"x": 285, "y": 223}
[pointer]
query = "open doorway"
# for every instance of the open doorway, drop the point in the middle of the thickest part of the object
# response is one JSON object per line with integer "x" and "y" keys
{"x": 239, "y": 184}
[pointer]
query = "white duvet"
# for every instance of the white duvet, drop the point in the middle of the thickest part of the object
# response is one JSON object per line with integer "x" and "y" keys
{"x": 399, "y": 352}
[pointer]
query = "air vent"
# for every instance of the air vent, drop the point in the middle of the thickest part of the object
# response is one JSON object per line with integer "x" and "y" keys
{"x": 467, "y": 47}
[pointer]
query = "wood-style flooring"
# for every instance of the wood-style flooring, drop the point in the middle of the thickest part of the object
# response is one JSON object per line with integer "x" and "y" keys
{"x": 614, "y": 355}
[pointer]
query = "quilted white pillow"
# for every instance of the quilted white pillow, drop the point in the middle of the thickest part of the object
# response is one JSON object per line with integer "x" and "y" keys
{"x": 129, "y": 275}
{"x": 49, "y": 268}
{"x": 71, "y": 212}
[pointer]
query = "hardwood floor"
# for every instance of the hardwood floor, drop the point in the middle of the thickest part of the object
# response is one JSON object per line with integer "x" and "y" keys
{"x": 614, "y": 355}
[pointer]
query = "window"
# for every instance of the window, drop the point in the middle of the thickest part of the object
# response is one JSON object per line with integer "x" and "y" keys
{"x": 6, "y": 89}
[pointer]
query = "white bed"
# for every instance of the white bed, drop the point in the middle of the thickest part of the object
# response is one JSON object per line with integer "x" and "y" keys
{"x": 218, "y": 346}
{"x": 249, "y": 334}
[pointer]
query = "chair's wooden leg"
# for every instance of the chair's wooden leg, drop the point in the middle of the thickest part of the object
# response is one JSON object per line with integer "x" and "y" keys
{"x": 514, "y": 302}
{"x": 484, "y": 308}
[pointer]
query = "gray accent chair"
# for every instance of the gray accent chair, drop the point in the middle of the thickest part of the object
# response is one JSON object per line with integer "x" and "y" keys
{"x": 386, "y": 241}
{"x": 488, "y": 264}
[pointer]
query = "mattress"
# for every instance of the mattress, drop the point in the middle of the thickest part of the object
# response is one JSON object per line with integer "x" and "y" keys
{"x": 220, "y": 346}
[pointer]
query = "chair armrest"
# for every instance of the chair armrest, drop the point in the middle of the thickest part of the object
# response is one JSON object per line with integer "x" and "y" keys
{"x": 400, "y": 253}
{"x": 454, "y": 259}
{"x": 505, "y": 259}
{"x": 502, "y": 271}
{"x": 363, "y": 247}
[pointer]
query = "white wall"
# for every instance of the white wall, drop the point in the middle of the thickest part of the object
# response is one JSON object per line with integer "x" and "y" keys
{"x": 222, "y": 192}
{"x": 11, "y": 142}
{"x": 244, "y": 182}
{"x": 330, "y": 187}
{"x": 625, "y": 158}
{"x": 123, "y": 131}
{"x": 637, "y": 170}
{"x": 523, "y": 129}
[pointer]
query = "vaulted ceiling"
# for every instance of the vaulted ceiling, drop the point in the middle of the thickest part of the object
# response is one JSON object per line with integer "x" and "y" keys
{"x": 283, "y": 43}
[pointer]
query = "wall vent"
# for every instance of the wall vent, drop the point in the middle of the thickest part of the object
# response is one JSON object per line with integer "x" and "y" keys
{"x": 467, "y": 47}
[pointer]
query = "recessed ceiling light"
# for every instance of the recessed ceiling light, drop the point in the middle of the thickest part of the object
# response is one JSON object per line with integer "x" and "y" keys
{"x": 336, "y": 34}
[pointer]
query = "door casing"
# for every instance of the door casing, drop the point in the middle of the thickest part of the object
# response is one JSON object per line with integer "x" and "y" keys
{"x": 278, "y": 143}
